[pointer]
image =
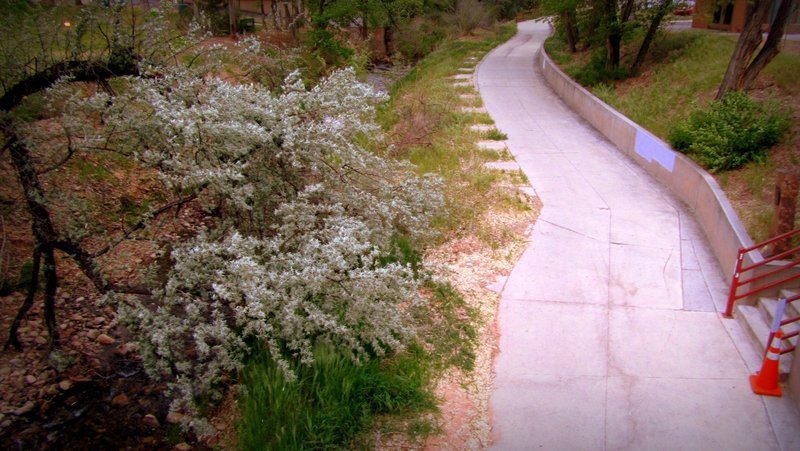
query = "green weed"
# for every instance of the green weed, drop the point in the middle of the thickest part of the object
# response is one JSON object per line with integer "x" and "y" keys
{"x": 496, "y": 135}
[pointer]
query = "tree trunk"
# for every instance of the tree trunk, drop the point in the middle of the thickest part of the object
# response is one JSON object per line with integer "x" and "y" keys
{"x": 613, "y": 50}
{"x": 47, "y": 240}
{"x": 45, "y": 234}
{"x": 33, "y": 285}
{"x": 615, "y": 24}
{"x": 363, "y": 29}
{"x": 275, "y": 13}
{"x": 51, "y": 285}
{"x": 388, "y": 41}
{"x": 746, "y": 45}
{"x": 787, "y": 187}
{"x": 232, "y": 26}
{"x": 655, "y": 24}
{"x": 771, "y": 47}
{"x": 263, "y": 15}
{"x": 571, "y": 29}
{"x": 291, "y": 20}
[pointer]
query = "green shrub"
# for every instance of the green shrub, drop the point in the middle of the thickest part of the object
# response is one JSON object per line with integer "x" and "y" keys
{"x": 730, "y": 132}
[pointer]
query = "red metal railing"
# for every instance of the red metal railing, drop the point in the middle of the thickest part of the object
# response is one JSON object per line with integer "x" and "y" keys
{"x": 780, "y": 322}
{"x": 780, "y": 275}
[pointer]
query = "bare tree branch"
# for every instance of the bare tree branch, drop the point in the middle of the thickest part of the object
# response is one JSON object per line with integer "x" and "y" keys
{"x": 143, "y": 222}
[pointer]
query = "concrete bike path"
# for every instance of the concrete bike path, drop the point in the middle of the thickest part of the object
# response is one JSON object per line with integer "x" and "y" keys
{"x": 609, "y": 331}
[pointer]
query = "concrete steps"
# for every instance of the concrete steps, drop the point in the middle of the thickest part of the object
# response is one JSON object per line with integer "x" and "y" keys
{"x": 757, "y": 320}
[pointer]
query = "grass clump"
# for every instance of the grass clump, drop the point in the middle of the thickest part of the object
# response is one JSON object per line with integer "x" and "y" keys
{"x": 496, "y": 135}
{"x": 730, "y": 133}
{"x": 330, "y": 403}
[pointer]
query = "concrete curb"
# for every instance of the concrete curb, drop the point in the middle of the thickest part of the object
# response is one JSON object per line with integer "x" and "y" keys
{"x": 687, "y": 181}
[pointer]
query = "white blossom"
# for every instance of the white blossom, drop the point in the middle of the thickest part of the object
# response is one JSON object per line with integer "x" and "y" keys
{"x": 304, "y": 265}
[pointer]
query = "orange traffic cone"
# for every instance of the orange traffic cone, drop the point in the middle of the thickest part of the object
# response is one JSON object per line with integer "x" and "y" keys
{"x": 765, "y": 382}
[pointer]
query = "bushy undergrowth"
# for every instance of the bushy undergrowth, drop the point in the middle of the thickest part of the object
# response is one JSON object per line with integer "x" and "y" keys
{"x": 596, "y": 70}
{"x": 589, "y": 67}
{"x": 730, "y": 132}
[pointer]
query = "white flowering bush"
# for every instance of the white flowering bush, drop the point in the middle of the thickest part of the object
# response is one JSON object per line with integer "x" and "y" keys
{"x": 308, "y": 216}
{"x": 299, "y": 215}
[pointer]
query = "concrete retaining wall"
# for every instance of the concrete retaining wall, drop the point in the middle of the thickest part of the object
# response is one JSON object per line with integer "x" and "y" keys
{"x": 689, "y": 182}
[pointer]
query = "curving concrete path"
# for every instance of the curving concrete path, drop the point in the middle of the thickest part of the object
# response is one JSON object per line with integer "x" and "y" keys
{"x": 609, "y": 331}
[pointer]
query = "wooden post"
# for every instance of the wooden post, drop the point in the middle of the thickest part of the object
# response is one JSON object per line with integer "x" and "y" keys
{"x": 787, "y": 186}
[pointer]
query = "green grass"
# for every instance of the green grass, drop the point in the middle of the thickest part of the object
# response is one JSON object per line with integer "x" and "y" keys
{"x": 331, "y": 403}
{"x": 496, "y": 135}
{"x": 783, "y": 70}
{"x": 428, "y": 93}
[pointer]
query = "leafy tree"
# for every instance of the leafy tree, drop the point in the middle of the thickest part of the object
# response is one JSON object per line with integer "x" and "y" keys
{"x": 565, "y": 16}
{"x": 330, "y": 17}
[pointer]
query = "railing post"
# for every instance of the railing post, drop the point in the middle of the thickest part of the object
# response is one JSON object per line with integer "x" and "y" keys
{"x": 734, "y": 285}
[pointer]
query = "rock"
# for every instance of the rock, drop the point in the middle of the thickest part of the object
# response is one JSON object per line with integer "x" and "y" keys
{"x": 151, "y": 420}
{"x": 183, "y": 447}
{"x": 80, "y": 299}
{"x": 92, "y": 334}
{"x": 27, "y": 407}
{"x": 76, "y": 317}
{"x": 65, "y": 385}
{"x": 104, "y": 339}
{"x": 40, "y": 340}
{"x": 120, "y": 400}
{"x": 174, "y": 417}
{"x": 98, "y": 321}
{"x": 30, "y": 379}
